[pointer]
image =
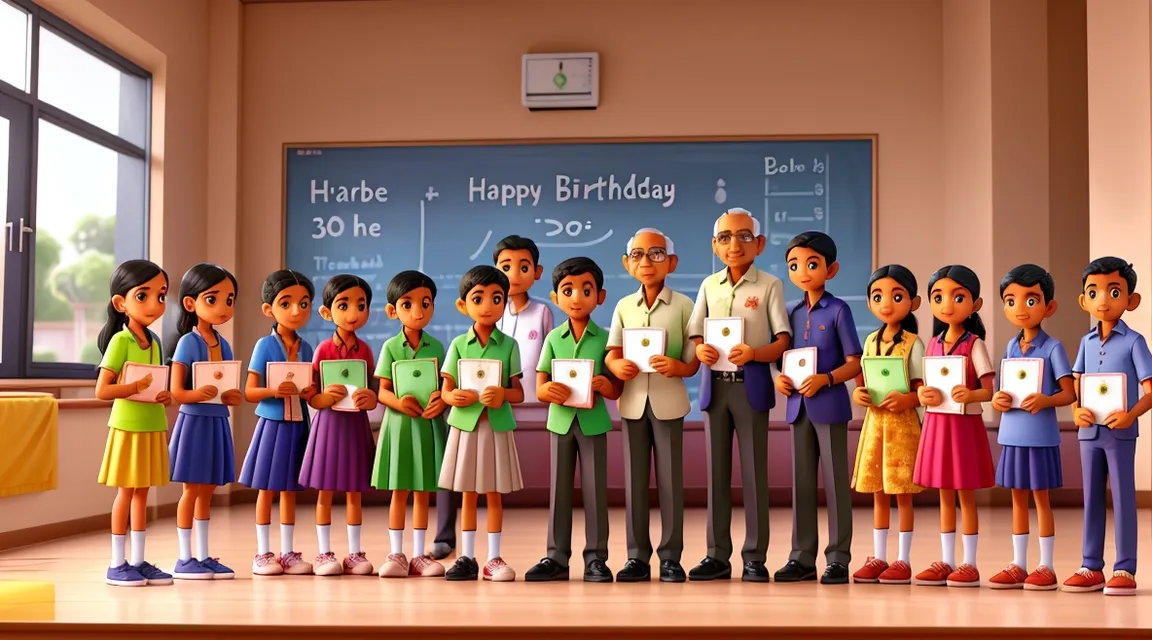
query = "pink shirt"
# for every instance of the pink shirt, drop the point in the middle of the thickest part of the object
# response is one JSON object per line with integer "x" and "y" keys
{"x": 529, "y": 327}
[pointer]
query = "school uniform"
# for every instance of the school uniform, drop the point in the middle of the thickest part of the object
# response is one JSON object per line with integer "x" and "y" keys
{"x": 1030, "y": 442}
{"x": 136, "y": 453}
{"x": 201, "y": 449}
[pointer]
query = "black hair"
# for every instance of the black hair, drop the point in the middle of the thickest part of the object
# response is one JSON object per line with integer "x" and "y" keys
{"x": 407, "y": 281}
{"x": 516, "y": 243}
{"x": 966, "y": 278}
{"x": 280, "y": 280}
{"x": 905, "y": 278}
{"x": 200, "y": 278}
{"x": 817, "y": 241}
{"x": 577, "y": 267}
{"x": 339, "y": 284}
{"x": 126, "y": 277}
{"x": 482, "y": 276}
{"x": 1120, "y": 266}
{"x": 1030, "y": 275}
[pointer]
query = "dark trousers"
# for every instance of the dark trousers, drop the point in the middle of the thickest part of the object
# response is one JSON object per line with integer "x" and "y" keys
{"x": 592, "y": 452}
{"x": 729, "y": 412}
{"x": 446, "y": 505}
{"x": 644, "y": 439}
{"x": 826, "y": 446}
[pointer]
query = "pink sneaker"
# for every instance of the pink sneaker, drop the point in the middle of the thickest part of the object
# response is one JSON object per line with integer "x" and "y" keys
{"x": 425, "y": 567}
{"x": 266, "y": 565}
{"x": 498, "y": 571}
{"x": 357, "y": 564}
{"x": 328, "y": 565}
{"x": 395, "y": 566}
{"x": 294, "y": 564}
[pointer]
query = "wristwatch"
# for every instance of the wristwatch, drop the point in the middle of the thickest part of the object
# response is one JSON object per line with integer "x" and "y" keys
{"x": 831, "y": 380}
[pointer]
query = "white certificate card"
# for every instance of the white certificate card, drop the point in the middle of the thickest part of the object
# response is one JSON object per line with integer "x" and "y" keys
{"x": 945, "y": 373}
{"x": 799, "y": 364}
{"x": 225, "y": 376}
{"x": 479, "y": 374}
{"x": 577, "y": 376}
{"x": 641, "y": 343}
{"x": 1103, "y": 394}
{"x": 1021, "y": 377}
{"x": 134, "y": 372}
{"x": 298, "y": 373}
{"x": 722, "y": 334}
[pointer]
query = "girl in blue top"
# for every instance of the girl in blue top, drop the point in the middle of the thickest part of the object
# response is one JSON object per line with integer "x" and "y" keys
{"x": 277, "y": 451}
{"x": 201, "y": 447}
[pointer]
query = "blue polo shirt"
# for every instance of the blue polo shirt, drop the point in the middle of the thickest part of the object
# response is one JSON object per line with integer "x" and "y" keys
{"x": 1019, "y": 428}
{"x": 271, "y": 349}
{"x": 828, "y": 326}
{"x": 1124, "y": 351}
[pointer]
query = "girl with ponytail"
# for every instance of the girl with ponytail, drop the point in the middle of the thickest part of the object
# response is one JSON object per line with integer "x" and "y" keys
{"x": 954, "y": 456}
{"x": 891, "y": 431}
{"x": 135, "y": 457}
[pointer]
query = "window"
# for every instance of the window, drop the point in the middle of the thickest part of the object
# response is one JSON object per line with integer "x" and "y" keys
{"x": 74, "y": 132}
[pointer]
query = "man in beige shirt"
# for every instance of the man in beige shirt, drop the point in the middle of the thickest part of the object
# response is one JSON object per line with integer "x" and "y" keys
{"x": 738, "y": 402}
{"x": 653, "y": 405}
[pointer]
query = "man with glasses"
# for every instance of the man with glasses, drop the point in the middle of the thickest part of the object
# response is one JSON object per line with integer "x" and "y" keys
{"x": 738, "y": 402}
{"x": 653, "y": 405}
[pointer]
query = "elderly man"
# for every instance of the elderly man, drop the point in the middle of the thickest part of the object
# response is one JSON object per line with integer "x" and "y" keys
{"x": 738, "y": 402}
{"x": 653, "y": 405}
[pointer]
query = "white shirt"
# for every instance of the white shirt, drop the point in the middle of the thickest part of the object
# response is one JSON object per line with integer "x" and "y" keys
{"x": 529, "y": 327}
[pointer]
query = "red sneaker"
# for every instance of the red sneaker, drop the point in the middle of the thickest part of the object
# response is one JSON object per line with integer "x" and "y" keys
{"x": 964, "y": 576}
{"x": 498, "y": 571}
{"x": 897, "y": 573}
{"x": 1084, "y": 580}
{"x": 871, "y": 571}
{"x": 1042, "y": 579}
{"x": 934, "y": 576}
{"x": 1121, "y": 584}
{"x": 1012, "y": 577}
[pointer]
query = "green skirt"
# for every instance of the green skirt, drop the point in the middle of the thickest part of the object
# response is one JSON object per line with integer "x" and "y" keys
{"x": 409, "y": 453}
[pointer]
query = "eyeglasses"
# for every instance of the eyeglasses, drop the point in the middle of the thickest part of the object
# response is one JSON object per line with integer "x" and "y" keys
{"x": 745, "y": 237}
{"x": 655, "y": 254}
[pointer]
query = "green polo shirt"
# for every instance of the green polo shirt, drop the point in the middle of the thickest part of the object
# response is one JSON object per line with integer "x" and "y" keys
{"x": 593, "y": 345}
{"x": 130, "y": 415}
{"x": 397, "y": 348}
{"x": 500, "y": 347}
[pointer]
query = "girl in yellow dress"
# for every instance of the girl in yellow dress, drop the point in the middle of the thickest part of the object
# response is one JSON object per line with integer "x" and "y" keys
{"x": 891, "y": 434}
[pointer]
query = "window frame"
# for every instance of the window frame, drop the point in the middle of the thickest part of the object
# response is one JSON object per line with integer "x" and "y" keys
{"x": 18, "y": 332}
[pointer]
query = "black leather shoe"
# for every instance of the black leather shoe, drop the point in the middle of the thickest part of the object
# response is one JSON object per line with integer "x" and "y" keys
{"x": 795, "y": 572}
{"x": 835, "y": 573}
{"x": 755, "y": 571}
{"x": 597, "y": 571}
{"x": 671, "y": 571}
{"x": 547, "y": 570}
{"x": 463, "y": 569}
{"x": 635, "y": 571}
{"x": 711, "y": 569}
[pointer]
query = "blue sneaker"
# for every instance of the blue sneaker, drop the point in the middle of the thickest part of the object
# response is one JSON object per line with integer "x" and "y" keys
{"x": 191, "y": 569}
{"x": 125, "y": 576}
{"x": 220, "y": 572}
{"x": 154, "y": 575}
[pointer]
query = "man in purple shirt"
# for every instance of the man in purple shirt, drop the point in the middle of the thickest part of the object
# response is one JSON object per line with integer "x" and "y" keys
{"x": 819, "y": 411}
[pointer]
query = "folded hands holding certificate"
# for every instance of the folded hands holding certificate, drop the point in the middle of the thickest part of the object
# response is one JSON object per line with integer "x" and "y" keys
{"x": 146, "y": 383}
{"x": 723, "y": 348}
{"x": 416, "y": 385}
{"x": 218, "y": 382}
{"x": 573, "y": 384}
{"x": 1103, "y": 401}
{"x": 479, "y": 381}
{"x": 945, "y": 384}
{"x": 1020, "y": 385}
{"x": 798, "y": 373}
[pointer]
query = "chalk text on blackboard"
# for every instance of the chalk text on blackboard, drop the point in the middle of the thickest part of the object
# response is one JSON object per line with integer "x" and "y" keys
{"x": 324, "y": 263}
{"x": 362, "y": 193}
{"x": 569, "y": 188}
{"x": 333, "y": 226}
{"x": 504, "y": 193}
{"x": 774, "y": 166}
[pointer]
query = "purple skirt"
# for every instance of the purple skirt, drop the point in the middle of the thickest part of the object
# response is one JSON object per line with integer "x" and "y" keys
{"x": 1031, "y": 468}
{"x": 200, "y": 451}
{"x": 275, "y": 456}
{"x": 340, "y": 452}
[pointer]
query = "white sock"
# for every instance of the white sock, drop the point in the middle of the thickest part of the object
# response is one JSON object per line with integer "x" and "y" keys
{"x": 396, "y": 539}
{"x": 118, "y": 543}
{"x": 262, "y": 539}
{"x": 418, "y": 542}
{"x": 948, "y": 548}
{"x": 880, "y": 544}
{"x": 493, "y": 545}
{"x": 353, "y": 539}
{"x": 184, "y": 536}
{"x": 286, "y": 531}
{"x": 905, "y": 547}
{"x": 970, "y": 548}
{"x": 1019, "y": 550}
{"x": 468, "y": 548}
{"x": 324, "y": 538}
{"x": 137, "y": 548}
{"x": 200, "y": 528}
{"x": 1047, "y": 548}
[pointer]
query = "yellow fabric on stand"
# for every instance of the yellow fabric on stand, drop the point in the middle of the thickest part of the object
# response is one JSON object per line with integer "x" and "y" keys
{"x": 29, "y": 430}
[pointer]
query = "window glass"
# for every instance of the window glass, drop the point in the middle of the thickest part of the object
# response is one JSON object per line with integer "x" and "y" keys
{"x": 14, "y": 57}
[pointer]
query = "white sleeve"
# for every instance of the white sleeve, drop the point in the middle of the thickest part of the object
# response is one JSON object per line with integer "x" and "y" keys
{"x": 916, "y": 361}
{"x": 980, "y": 360}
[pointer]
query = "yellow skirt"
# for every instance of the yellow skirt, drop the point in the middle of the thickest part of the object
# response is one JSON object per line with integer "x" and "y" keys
{"x": 886, "y": 456}
{"x": 135, "y": 459}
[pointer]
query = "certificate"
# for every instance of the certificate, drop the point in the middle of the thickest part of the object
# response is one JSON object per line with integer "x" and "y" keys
{"x": 799, "y": 364}
{"x": 418, "y": 378}
{"x": 299, "y": 374}
{"x": 225, "y": 376}
{"x": 478, "y": 374}
{"x": 352, "y": 373}
{"x": 577, "y": 376}
{"x": 1103, "y": 394}
{"x": 722, "y": 334}
{"x": 883, "y": 375}
{"x": 1021, "y": 377}
{"x": 134, "y": 371}
{"x": 640, "y": 344}
{"x": 945, "y": 373}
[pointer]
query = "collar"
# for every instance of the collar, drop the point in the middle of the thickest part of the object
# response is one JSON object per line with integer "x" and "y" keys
{"x": 284, "y": 345}
{"x": 510, "y": 311}
{"x": 1120, "y": 328}
{"x": 496, "y": 337}
{"x": 749, "y": 276}
{"x": 1041, "y": 338}
{"x": 822, "y": 302}
{"x": 664, "y": 296}
{"x": 589, "y": 330}
{"x": 403, "y": 337}
{"x": 340, "y": 344}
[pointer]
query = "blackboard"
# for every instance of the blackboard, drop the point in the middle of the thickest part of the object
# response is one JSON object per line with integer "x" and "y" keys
{"x": 376, "y": 210}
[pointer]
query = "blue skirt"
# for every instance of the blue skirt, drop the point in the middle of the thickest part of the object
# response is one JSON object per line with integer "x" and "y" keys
{"x": 201, "y": 450}
{"x": 275, "y": 456}
{"x": 1030, "y": 468}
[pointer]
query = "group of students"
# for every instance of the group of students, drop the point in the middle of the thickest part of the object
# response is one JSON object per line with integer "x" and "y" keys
{"x": 462, "y": 441}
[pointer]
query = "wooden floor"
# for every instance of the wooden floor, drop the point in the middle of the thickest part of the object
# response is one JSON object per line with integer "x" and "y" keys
{"x": 56, "y": 590}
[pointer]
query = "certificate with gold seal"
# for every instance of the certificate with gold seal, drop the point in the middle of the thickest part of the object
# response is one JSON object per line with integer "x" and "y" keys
{"x": 641, "y": 343}
{"x": 1021, "y": 377}
{"x": 722, "y": 334}
{"x": 945, "y": 373}
{"x": 477, "y": 374}
{"x": 1103, "y": 394}
{"x": 576, "y": 374}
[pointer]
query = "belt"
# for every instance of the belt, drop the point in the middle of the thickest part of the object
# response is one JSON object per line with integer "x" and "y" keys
{"x": 728, "y": 376}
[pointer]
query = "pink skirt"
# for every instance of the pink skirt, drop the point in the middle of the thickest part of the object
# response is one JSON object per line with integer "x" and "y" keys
{"x": 954, "y": 453}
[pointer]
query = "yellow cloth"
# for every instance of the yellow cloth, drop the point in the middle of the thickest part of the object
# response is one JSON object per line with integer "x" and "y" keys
{"x": 889, "y": 441}
{"x": 135, "y": 459}
{"x": 27, "y": 601}
{"x": 29, "y": 430}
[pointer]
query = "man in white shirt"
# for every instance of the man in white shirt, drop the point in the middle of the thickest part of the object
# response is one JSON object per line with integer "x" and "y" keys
{"x": 526, "y": 319}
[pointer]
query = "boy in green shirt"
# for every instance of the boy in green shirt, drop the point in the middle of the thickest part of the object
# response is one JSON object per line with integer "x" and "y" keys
{"x": 577, "y": 288}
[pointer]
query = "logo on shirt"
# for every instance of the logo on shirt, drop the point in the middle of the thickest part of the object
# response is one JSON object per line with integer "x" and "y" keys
{"x": 752, "y": 302}
{"x": 532, "y": 335}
